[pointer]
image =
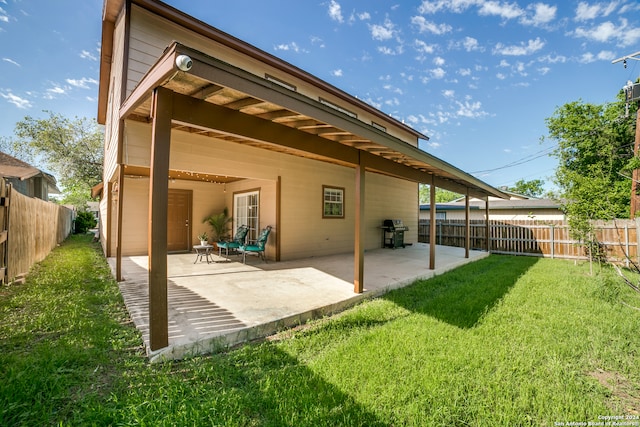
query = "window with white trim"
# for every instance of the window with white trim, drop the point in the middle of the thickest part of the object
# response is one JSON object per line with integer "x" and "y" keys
{"x": 246, "y": 211}
{"x": 332, "y": 202}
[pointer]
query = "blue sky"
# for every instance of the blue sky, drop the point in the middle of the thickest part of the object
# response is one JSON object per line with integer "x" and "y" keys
{"x": 478, "y": 77}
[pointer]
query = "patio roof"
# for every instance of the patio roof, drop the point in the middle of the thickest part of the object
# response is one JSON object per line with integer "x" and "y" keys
{"x": 218, "y": 100}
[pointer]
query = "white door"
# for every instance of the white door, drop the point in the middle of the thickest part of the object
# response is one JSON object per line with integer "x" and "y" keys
{"x": 246, "y": 211}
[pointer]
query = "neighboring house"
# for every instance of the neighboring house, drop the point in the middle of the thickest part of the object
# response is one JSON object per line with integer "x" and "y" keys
{"x": 211, "y": 122}
{"x": 517, "y": 207}
{"x": 27, "y": 179}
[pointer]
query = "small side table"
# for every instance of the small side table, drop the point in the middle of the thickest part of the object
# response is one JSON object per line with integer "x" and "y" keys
{"x": 203, "y": 251}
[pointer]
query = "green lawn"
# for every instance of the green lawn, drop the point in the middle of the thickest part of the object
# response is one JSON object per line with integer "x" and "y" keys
{"x": 504, "y": 341}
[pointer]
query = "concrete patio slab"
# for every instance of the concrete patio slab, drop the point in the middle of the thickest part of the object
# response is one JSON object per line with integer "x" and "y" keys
{"x": 216, "y": 305}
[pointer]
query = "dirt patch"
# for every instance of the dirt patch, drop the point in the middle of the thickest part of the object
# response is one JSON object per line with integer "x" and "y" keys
{"x": 623, "y": 392}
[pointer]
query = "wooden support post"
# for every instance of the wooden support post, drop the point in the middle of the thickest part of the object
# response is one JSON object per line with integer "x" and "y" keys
{"x": 162, "y": 105}
{"x": 467, "y": 225}
{"x": 119, "y": 225}
{"x": 432, "y": 225}
{"x": 278, "y": 216}
{"x": 358, "y": 268}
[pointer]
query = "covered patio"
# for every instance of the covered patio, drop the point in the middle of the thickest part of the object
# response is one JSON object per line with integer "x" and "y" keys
{"x": 212, "y": 306}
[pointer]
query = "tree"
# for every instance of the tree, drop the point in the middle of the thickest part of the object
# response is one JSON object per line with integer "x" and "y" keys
{"x": 595, "y": 153}
{"x": 70, "y": 149}
{"x": 533, "y": 188}
{"x": 442, "y": 195}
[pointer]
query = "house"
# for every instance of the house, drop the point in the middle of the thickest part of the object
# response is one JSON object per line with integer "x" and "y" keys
{"x": 27, "y": 179}
{"x": 197, "y": 121}
{"x": 517, "y": 207}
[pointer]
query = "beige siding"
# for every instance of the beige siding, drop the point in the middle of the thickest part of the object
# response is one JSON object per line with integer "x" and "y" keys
{"x": 111, "y": 130}
{"x": 102, "y": 212}
{"x": 150, "y": 35}
{"x": 302, "y": 181}
{"x": 390, "y": 198}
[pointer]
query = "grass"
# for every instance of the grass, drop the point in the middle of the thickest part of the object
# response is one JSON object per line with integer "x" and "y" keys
{"x": 502, "y": 341}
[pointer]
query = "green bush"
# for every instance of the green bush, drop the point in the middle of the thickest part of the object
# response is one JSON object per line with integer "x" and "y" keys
{"x": 84, "y": 221}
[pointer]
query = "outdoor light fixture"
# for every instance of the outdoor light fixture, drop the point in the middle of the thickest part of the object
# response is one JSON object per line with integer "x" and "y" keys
{"x": 184, "y": 63}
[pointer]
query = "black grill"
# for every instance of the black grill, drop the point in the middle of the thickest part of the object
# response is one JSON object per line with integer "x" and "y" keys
{"x": 393, "y": 233}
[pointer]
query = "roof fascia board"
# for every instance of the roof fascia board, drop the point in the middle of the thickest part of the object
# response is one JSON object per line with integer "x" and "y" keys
{"x": 161, "y": 72}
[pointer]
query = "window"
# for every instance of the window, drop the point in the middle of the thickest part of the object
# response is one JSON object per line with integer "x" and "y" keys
{"x": 337, "y": 107}
{"x": 441, "y": 215}
{"x": 246, "y": 211}
{"x": 332, "y": 202}
{"x": 280, "y": 82}
{"x": 378, "y": 126}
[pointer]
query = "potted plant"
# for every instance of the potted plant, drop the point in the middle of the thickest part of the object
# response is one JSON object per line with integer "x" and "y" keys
{"x": 219, "y": 225}
{"x": 203, "y": 238}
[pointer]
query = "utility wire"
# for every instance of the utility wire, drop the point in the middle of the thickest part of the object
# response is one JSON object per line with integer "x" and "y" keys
{"x": 521, "y": 161}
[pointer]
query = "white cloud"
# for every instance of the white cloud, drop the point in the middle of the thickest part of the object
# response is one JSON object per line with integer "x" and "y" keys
{"x": 589, "y": 57}
{"x": 434, "y": 145}
{"x": 448, "y": 93}
{"x": 623, "y": 34}
{"x": 3, "y": 15}
{"x": 388, "y": 51}
{"x": 335, "y": 11}
{"x": 85, "y": 54}
{"x": 586, "y": 11}
{"x": 501, "y": 76}
{"x": 21, "y": 103}
{"x": 518, "y": 50}
{"x": 438, "y": 61}
{"x": 317, "y": 41}
{"x": 504, "y": 63}
{"x": 293, "y": 47}
{"x": 382, "y": 32}
{"x": 542, "y": 14}
{"x": 11, "y": 61}
{"x": 544, "y": 70}
{"x": 424, "y": 47}
{"x": 364, "y": 16}
{"x": 470, "y": 109}
{"x": 470, "y": 44}
{"x": 430, "y": 27}
{"x": 337, "y": 73}
{"x": 53, "y": 92}
{"x": 456, "y": 6}
{"x": 83, "y": 83}
{"x": 558, "y": 59}
{"x": 503, "y": 10}
{"x": 437, "y": 73}
{"x": 464, "y": 72}
{"x": 57, "y": 90}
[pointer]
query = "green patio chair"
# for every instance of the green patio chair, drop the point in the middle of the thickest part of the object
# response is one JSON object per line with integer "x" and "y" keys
{"x": 237, "y": 241}
{"x": 258, "y": 247}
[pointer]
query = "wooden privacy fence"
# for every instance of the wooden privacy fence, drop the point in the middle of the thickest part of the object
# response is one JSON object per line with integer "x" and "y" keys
{"x": 536, "y": 238}
{"x": 31, "y": 228}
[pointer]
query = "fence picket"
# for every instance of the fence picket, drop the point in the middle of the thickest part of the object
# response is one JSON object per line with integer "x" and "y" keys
{"x": 537, "y": 238}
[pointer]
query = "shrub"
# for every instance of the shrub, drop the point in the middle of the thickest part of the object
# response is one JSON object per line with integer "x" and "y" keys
{"x": 84, "y": 221}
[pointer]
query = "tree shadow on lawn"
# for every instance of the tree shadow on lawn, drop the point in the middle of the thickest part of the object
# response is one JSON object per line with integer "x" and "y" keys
{"x": 463, "y": 296}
